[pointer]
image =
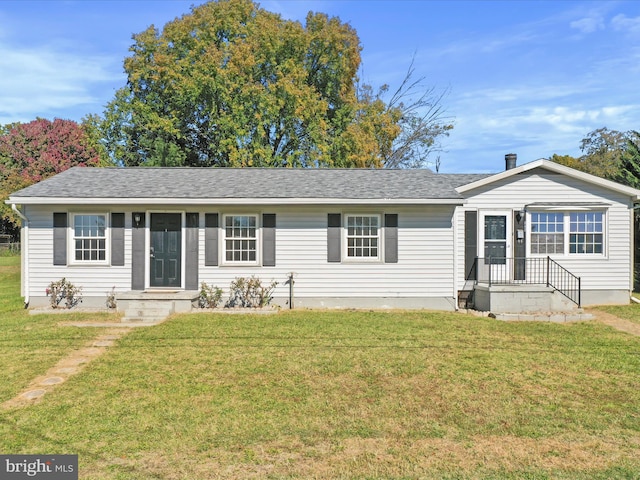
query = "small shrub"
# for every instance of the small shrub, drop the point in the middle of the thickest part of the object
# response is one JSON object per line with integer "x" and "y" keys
{"x": 111, "y": 298}
{"x": 250, "y": 293}
{"x": 64, "y": 290}
{"x": 209, "y": 296}
{"x": 237, "y": 293}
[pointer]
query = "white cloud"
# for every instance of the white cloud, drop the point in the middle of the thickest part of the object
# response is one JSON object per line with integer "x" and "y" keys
{"x": 44, "y": 81}
{"x": 626, "y": 24}
{"x": 588, "y": 24}
{"x": 618, "y": 111}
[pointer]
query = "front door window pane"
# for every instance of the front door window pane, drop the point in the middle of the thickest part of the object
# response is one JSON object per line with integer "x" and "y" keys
{"x": 495, "y": 239}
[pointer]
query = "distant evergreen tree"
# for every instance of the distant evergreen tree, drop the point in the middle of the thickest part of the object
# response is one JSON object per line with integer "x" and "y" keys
{"x": 630, "y": 163}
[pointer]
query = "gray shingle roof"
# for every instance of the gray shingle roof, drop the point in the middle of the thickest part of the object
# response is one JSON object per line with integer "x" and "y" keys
{"x": 228, "y": 183}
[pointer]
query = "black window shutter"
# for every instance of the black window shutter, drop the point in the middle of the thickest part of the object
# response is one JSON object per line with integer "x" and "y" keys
{"x": 117, "y": 239}
{"x": 211, "y": 239}
{"x": 391, "y": 238}
{"x": 334, "y": 235}
{"x": 191, "y": 251}
{"x": 138, "y": 253}
{"x": 470, "y": 244}
{"x": 269, "y": 239}
{"x": 60, "y": 238}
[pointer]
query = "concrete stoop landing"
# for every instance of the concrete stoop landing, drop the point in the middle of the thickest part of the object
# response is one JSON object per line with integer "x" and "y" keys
{"x": 556, "y": 317}
{"x": 523, "y": 302}
{"x": 577, "y": 315}
{"x": 516, "y": 298}
{"x": 152, "y": 306}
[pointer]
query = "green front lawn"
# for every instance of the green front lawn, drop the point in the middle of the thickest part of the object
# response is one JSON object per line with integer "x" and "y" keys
{"x": 357, "y": 394}
{"x": 30, "y": 345}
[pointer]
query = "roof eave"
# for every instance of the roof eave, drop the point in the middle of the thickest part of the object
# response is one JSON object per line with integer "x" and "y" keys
{"x": 552, "y": 167}
{"x": 231, "y": 201}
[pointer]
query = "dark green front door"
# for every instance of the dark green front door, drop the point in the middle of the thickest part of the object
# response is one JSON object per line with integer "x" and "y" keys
{"x": 166, "y": 251}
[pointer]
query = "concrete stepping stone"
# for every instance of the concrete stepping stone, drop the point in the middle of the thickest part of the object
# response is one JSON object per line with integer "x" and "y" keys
{"x": 77, "y": 360}
{"x": 52, "y": 381}
{"x": 110, "y": 337}
{"x": 33, "y": 394}
{"x": 67, "y": 370}
{"x": 66, "y": 367}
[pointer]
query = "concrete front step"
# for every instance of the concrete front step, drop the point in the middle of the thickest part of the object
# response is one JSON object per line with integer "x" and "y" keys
{"x": 142, "y": 313}
{"x": 143, "y": 319}
{"x": 154, "y": 306}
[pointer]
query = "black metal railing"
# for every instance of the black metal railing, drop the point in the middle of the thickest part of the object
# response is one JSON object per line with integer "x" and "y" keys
{"x": 527, "y": 271}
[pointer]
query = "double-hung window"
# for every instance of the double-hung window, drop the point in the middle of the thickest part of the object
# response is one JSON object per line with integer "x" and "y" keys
{"x": 547, "y": 233}
{"x": 561, "y": 233}
{"x": 240, "y": 238}
{"x": 90, "y": 237}
{"x": 585, "y": 232}
{"x": 363, "y": 237}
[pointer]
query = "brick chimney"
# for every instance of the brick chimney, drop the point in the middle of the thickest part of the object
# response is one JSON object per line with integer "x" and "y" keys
{"x": 510, "y": 160}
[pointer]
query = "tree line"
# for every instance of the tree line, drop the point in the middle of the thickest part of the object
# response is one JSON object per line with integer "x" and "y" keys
{"x": 233, "y": 85}
{"x": 608, "y": 154}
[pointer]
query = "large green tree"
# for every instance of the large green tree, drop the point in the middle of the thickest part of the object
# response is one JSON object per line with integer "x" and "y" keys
{"x": 602, "y": 153}
{"x": 231, "y": 84}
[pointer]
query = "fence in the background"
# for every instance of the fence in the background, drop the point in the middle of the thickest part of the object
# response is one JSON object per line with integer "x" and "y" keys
{"x": 10, "y": 248}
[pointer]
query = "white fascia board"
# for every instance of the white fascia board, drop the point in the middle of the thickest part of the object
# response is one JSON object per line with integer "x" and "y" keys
{"x": 232, "y": 201}
{"x": 556, "y": 168}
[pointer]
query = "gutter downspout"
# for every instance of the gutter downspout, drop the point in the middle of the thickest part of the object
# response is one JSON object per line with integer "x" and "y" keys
{"x": 454, "y": 220}
{"x": 634, "y": 206}
{"x": 24, "y": 253}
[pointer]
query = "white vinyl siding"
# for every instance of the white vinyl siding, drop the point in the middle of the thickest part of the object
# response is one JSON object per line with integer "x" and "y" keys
{"x": 424, "y": 268}
{"x": 607, "y": 271}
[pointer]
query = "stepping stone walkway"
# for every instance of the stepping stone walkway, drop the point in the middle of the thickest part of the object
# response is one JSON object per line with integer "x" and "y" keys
{"x": 65, "y": 368}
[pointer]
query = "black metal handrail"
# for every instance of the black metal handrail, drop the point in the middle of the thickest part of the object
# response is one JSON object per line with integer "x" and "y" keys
{"x": 529, "y": 271}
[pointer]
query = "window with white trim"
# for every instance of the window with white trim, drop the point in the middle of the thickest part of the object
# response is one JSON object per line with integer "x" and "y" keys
{"x": 586, "y": 232}
{"x": 363, "y": 236}
{"x": 549, "y": 233}
{"x": 240, "y": 238}
{"x": 90, "y": 237}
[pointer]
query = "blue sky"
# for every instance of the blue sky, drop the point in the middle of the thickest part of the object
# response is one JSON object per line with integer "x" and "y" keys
{"x": 529, "y": 77}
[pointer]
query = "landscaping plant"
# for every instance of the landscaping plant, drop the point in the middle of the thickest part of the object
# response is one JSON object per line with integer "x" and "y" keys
{"x": 64, "y": 290}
